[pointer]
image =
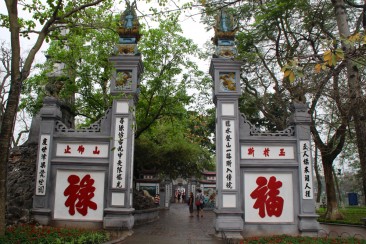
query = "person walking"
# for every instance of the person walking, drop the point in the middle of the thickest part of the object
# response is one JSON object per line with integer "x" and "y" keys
{"x": 157, "y": 200}
{"x": 199, "y": 202}
{"x": 190, "y": 204}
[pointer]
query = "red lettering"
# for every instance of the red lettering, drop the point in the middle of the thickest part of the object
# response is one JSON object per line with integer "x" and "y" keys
{"x": 96, "y": 151}
{"x": 67, "y": 149}
{"x": 81, "y": 149}
{"x": 251, "y": 151}
{"x": 79, "y": 194}
{"x": 267, "y": 199}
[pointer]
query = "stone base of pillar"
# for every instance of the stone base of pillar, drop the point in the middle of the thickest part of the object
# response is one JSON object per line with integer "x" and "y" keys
{"x": 308, "y": 224}
{"x": 228, "y": 221}
{"x": 118, "y": 218}
{"x": 41, "y": 215}
{"x": 270, "y": 229}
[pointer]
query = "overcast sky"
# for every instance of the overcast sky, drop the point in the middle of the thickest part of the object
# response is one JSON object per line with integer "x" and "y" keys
{"x": 190, "y": 22}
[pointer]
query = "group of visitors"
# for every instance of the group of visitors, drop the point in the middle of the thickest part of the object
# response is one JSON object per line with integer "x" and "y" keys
{"x": 180, "y": 196}
{"x": 197, "y": 201}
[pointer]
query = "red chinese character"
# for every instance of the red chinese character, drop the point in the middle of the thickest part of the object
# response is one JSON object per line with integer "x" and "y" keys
{"x": 67, "y": 149}
{"x": 96, "y": 151}
{"x": 266, "y": 152}
{"x": 81, "y": 149}
{"x": 282, "y": 152}
{"x": 251, "y": 151}
{"x": 80, "y": 194}
{"x": 267, "y": 197}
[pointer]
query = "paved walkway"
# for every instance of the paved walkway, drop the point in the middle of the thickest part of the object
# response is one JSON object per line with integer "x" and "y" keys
{"x": 175, "y": 226}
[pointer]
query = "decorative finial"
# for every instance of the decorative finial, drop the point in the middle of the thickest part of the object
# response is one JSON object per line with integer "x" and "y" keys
{"x": 128, "y": 30}
{"x": 224, "y": 35}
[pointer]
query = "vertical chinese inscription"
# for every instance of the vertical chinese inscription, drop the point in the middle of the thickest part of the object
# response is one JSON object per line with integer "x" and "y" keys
{"x": 228, "y": 138}
{"x": 306, "y": 170}
{"x": 43, "y": 155}
{"x": 120, "y": 156}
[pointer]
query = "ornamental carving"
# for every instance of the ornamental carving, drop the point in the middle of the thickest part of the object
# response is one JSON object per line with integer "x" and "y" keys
{"x": 224, "y": 28}
{"x": 129, "y": 25}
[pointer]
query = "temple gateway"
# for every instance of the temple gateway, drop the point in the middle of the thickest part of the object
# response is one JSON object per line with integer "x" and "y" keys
{"x": 263, "y": 181}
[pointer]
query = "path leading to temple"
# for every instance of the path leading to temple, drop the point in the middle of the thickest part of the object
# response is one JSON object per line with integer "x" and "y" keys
{"x": 175, "y": 226}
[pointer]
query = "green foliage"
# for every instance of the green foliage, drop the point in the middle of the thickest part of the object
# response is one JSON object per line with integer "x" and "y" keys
{"x": 352, "y": 215}
{"x": 300, "y": 239}
{"x": 85, "y": 53}
{"x": 46, "y": 234}
{"x": 168, "y": 148}
{"x": 168, "y": 73}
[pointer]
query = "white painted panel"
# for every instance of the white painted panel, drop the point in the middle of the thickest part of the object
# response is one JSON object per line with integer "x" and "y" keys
{"x": 306, "y": 170}
{"x": 227, "y": 109}
{"x": 121, "y": 133}
{"x": 266, "y": 152}
{"x": 122, "y": 107}
{"x": 268, "y": 197}
{"x": 228, "y": 154}
{"x": 228, "y": 201}
{"x": 82, "y": 150}
{"x": 118, "y": 199}
{"x": 84, "y": 188}
{"x": 42, "y": 165}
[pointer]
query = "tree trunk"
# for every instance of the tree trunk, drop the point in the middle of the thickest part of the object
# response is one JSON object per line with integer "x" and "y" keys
{"x": 332, "y": 212}
{"x": 336, "y": 181}
{"x": 318, "y": 178}
{"x": 360, "y": 128}
{"x": 7, "y": 126}
{"x": 358, "y": 108}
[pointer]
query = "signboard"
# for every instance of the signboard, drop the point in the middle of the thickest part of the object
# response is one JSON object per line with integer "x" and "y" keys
{"x": 85, "y": 150}
{"x": 120, "y": 153}
{"x": 42, "y": 164}
{"x": 306, "y": 170}
{"x": 268, "y": 197}
{"x": 79, "y": 195}
{"x": 266, "y": 152}
{"x": 228, "y": 154}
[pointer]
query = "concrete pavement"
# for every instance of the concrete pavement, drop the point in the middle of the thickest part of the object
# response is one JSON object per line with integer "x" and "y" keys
{"x": 175, "y": 226}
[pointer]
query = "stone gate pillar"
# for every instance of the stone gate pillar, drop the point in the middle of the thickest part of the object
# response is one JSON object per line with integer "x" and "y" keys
{"x": 300, "y": 118}
{"x": 50, "y": 113}
{"x": 125, "y": 87}
{"x": 226, "y": 76}
{"x": 225, "y": 72}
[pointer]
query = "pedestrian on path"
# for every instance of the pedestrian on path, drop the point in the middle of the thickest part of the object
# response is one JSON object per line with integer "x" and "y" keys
{"x": 157, "y": 200}
{"x": 190, "y": 204}
{"x": 199, "y": 202}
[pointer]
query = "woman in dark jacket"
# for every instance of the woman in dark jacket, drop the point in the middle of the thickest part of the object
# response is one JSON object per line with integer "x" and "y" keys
{"x": 190, "y": 204}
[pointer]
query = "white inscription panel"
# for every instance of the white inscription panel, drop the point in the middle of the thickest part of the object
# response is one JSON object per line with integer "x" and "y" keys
{"x": 42, "y": 164}
{"x": 267, "y": 152}
{"x": 228, "y": 154}
{"x": 79, "y": 195}
{"x": 120, "y": 153}
{"x": 82, "y": 150}
{"x": 268, "y": 197}
{"x": 306, "y": 170}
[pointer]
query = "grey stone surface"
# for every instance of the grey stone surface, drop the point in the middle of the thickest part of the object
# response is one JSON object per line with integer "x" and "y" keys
{"x": 21, "y": 182}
